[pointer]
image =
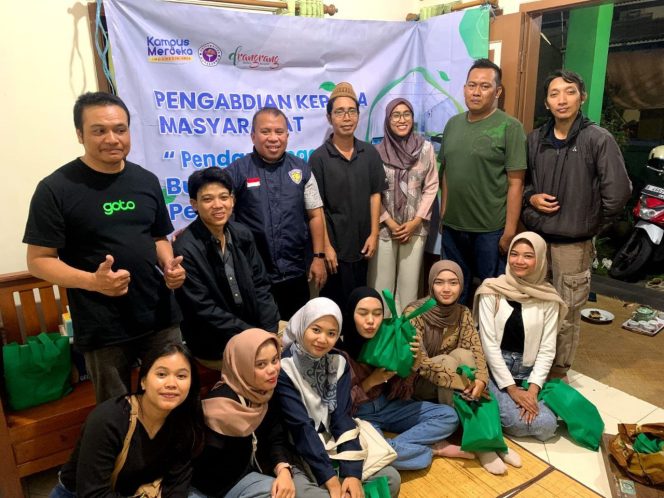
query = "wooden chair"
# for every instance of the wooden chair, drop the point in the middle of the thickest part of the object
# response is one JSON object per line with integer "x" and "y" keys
{"x": 42, "y": 437}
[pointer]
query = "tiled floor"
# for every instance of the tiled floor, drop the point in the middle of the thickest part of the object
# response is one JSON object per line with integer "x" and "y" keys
{"x": 584, "y": 465}
{"x": 615, "y": 407}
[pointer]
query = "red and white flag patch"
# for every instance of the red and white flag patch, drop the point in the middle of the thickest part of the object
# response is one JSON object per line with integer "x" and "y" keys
{"x": 253, "y": 182}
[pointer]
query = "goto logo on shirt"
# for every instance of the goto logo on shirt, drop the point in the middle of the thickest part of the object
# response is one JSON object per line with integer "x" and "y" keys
{"x": 112, "y": 207}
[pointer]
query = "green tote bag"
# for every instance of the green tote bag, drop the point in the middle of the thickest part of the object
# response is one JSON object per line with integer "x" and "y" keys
{"x": 37, "y": 372}
{"x": 390, "y": 347}
{"x": 481, "y": 424}
{"x": 378, "y": 487}
{"x": 584, "y": 423}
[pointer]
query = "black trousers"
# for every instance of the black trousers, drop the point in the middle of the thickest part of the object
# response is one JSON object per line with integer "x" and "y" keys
{"x": 349, "y": 276}
{"x": 290, "y": 295}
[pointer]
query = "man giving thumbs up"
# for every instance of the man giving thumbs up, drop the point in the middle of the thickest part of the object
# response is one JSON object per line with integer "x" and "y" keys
{"x": 98, "y": 226}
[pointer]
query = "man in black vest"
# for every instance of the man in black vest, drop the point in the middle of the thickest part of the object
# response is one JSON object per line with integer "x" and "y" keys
{"x": 277, "y": 198}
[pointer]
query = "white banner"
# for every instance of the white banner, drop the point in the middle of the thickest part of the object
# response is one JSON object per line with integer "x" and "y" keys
{"x": 193, "y": 76}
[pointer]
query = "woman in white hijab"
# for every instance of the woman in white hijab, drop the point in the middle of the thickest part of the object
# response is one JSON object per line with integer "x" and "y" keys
{"x": 314, "y": 394}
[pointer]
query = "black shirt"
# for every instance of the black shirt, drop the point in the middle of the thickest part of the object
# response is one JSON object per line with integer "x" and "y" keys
{"x": 88, "y": 471}
{"x": 346, "y": 187}
{"x": 85, "y": 215}
{"x": 227, "y": 459}
{"x": 557, "y": 143}
{"x": 514, "y": 336}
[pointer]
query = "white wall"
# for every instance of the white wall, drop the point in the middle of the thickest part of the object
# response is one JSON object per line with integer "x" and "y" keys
{"x": 47, "y": 61}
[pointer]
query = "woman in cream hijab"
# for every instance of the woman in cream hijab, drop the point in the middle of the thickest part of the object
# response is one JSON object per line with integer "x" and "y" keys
{"x": 518, "y": 316}
{"x": 246, "y": 452}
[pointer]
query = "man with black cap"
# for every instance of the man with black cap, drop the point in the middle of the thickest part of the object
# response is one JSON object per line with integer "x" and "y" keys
{"x": 350, "y": 178}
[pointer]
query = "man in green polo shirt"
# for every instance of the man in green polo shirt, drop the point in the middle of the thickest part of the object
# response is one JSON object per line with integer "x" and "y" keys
{"x": 483, "y": 157}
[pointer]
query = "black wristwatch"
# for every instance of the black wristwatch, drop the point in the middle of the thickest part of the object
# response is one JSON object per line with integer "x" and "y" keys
{"x": 319, "y": 255}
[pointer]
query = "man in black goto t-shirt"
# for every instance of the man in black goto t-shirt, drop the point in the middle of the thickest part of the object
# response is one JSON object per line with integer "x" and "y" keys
{"x": 98, "y": 226}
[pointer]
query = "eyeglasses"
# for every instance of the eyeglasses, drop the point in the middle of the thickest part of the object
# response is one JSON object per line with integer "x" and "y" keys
{"x": 396, "y": 116}
{"x": 340, "y": 113}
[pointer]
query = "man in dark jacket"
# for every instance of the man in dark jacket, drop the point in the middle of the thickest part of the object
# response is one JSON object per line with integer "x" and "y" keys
{"x": 576, "y": 184}
{"x": 227, "y": 289}
{"x": 278, "y": 200}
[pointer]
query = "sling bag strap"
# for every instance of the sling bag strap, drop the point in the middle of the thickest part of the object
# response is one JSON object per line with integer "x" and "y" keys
{"x": 254, "y": 441}
{"x": 331, "y": 446}
{"x": 122, "y": 457}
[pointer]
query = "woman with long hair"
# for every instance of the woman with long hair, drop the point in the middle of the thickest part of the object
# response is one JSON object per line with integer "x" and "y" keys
{"x": 167, "y": 432}
{"x": 245, "y": 451}
{"x": 518, "y": 315}
{"x": 314, "y": 394}
{"x": 412, "y": 176}
{"x": 382, "y": 398}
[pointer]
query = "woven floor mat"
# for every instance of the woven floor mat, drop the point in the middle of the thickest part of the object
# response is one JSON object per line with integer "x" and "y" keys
{"x": 461, "y": 478}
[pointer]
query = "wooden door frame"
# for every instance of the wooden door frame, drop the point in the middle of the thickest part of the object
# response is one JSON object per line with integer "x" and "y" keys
{"x": 519, "y": 36}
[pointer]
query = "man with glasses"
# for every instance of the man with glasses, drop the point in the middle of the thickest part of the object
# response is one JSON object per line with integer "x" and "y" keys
{"x": 483, "y": 158}
{"x": 350, "y": 178}
{"x": 277, "y": 199}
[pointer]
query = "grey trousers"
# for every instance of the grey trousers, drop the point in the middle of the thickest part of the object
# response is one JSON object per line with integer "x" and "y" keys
{"x": 110, "y": 366}
{"x": 308, "y": 488}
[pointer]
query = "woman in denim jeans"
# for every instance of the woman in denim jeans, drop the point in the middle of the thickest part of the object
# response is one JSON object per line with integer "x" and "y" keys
{"x": 518, "y": 315}
{"x": 383, "y": 399}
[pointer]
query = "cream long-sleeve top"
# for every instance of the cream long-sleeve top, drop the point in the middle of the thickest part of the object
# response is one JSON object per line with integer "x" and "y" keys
{"x": 540, "y": 323}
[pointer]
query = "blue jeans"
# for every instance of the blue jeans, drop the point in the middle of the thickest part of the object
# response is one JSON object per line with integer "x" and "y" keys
{"x": 545, "y": 424}
{"x": 59, "y": 491}
{"x": 253, "y": 485}
{"x": 476, "y": 253}
{"x": 419, "y": 424}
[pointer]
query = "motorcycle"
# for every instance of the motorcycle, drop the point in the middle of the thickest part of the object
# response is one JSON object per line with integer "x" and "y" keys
{"x": 646, "y": 241}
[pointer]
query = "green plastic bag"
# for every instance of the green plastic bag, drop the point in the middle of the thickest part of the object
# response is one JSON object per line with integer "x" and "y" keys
{"x": 481, "y": 424}
{"x": 390, "y": 347}
{"x": 584, "y": 423}
{"x": 644, "y": 443}
{"x": 376, "y": 488}
{"x": 37, "y": 372}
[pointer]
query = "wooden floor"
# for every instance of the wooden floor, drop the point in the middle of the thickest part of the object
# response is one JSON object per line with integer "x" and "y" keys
{"x": 460, "y": 478}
